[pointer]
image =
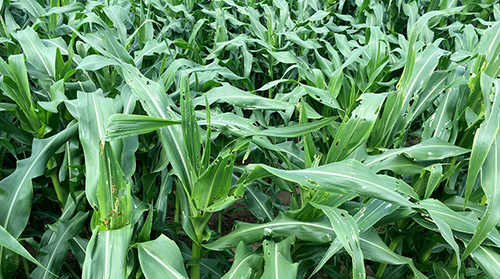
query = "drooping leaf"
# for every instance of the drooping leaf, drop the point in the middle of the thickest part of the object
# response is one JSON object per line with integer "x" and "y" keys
{"x": 127, "y": 125}
{"x": 7, "y": 241}
{"x": 53, "y": 253}
{"x": 348, "y": 234}
{"x": 353, "y": 132}
{"x": 96, "y": 62}
{"x": 429, "y": 150}
{"x": 372, "y": 212}
{"x": 485, "y": 135}
{"x": 295, "y": 130}
{"x": 16, "y": 190}
{"x": 375, "y": 249}
{"x": 346, "y": 177}
{"x": 240, "y": 98}
{"x": 282, "y": 226}
{"x": 490, "y": 183}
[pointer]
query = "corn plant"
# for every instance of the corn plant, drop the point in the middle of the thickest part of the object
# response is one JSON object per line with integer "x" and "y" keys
{"x": 249, "y": 139}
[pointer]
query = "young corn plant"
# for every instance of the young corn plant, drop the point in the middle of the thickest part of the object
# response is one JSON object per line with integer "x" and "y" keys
{"x": 211, "y": 189}
{"x": 249, "y": 139}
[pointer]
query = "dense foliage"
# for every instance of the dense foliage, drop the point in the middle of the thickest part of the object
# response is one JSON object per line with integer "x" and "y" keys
{"x": 346, "y": 139}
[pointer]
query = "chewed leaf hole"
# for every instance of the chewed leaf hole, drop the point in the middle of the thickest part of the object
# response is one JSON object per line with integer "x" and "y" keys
{"x": 312, "y": 182}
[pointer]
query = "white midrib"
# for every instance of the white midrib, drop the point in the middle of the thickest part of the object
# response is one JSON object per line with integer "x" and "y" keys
{"x": 117, "y": 19}
{"x": 146, "y": 53}
{"x": 402, "y": 151}
{"x": 490, "y": 255}
{"x": 34, "y": 9}
{"x": 52, "y": 256}
{"x": 346, "y": 243}
{"x": 428, "y": 96}
{"x": 447, "y": 215}
{"x": 494, "y": 194}
{"x": 412, "y": 14}
{"x": 80, "y": 246}
{"x": 69, "y": 160}
{"x": 261, "y": 205}
{"x": 410, "y": 88}
{"x": 131, "y": 102}
{"x": 151, "y": 98}
{"x": 494, "y": 39}
{"x": 116, "y": 51}
{"x": 238, "y": 266}
{"x": 447, "y": 273}
{"x": 381, "y": 248}
{"x": 496, "y": 173}
{"x": 9, "y": 212}
{"x": 370, "y": 213}
{"x": 442, "y": 114}
{"x": 209, "y": 268}
{"x": 167, "y": 129}
{"x": 173, "y": 271}
{"x": 351, "y": 177}
{"x": 39, "y": 55}
{"x": 451, "y": 216}
{"x": 284, "y": 224}
{"x": 386, "y": 124}
{"x": 98, "y": 120}
{"x": 65, "y": 52}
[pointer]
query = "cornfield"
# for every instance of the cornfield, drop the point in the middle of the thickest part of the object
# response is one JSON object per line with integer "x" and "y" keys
{"x": 250, "y": 139}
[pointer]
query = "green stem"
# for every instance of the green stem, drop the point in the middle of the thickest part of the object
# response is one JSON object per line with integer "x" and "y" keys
{"x": 196, "y": 259}
{"x": 199, "y": 225}
{"x": 60, "y": 192}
